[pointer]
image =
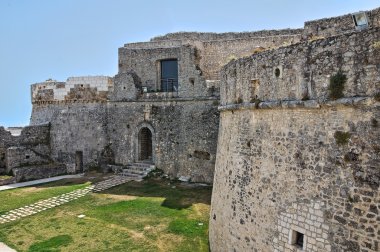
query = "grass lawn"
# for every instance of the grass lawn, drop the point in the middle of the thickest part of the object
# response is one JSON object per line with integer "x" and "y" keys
{"x": 137, "y": 216}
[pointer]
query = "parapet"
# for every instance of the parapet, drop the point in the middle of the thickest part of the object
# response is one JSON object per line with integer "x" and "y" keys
{"x": 86, "y": 88}
{"x": 210, "y": 36}
{"x": 327, "y": 27}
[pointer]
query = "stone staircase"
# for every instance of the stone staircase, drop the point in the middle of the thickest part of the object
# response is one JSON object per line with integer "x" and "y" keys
{"x": 137, "y": 171}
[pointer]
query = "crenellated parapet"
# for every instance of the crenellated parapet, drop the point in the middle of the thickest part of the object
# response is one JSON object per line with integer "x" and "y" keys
{"x": 88, "y": 88}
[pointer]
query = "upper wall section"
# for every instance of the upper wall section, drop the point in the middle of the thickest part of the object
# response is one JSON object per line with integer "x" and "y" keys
{"x": 140, "y": 68}
{"x": 302, "y": 71}
{"x": 200, "y": 57}
{"x": 210, "y": 36}
{"x": 328, "y": 27}
{"x": 89, "y": 88}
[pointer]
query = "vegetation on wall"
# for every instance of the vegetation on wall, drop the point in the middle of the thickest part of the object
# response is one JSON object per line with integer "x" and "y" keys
{"x": 341, "y": 137}
{"x": 376, "y": 45}
{"x": 336, "y": 86}
{"x": 377, "y": 96}
{"x": 239, "y": 100}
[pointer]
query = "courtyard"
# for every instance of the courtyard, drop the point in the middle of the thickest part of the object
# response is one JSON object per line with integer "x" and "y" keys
{"x": 155, "y": 214}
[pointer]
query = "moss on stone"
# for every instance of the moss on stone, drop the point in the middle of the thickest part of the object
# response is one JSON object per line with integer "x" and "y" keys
{"x": 341, "y": 137}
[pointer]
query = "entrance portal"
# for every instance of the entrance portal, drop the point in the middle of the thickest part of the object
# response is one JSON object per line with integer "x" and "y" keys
{"x": 145, "y": 145}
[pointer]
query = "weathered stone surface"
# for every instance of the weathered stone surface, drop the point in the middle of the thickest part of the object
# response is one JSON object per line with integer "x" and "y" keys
{"x": 281, "y": 169}
{"x": 27, "y": 173}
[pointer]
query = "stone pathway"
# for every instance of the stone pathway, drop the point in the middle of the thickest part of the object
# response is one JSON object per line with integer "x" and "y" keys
{"x": 38, "y": 181}
{"x": 61, "y": 199}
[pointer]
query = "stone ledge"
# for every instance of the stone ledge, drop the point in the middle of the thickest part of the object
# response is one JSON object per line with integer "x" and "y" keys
{"x": 309, "y": 104}
{"x": 169, "y": 99}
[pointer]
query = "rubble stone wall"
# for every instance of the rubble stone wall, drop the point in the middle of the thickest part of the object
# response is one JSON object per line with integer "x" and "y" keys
{"x": 293, "y": 162}
{"x": 181, "y": 128}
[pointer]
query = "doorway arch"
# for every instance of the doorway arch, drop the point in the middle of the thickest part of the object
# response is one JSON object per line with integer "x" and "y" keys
{"x": 145, "y": 145}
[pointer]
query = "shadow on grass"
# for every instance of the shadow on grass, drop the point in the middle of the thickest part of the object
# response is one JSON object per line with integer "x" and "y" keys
{"x": 51, "y": 245}
{"x": 177, "y": 195}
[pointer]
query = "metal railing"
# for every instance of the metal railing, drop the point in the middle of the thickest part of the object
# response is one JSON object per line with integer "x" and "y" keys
{"x": 169, "y": 85}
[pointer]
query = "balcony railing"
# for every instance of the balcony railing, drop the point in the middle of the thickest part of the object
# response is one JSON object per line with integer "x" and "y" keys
{"x": 169, "y": 85}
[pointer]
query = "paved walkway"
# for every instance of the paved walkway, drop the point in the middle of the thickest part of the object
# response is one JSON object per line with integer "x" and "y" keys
{"x": 5, "y": 248}
{"x": 61, "y": 199}
{"x": 38, "y": 181}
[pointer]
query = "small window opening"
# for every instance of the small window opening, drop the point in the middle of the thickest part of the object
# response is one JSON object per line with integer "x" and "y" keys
{"x": 360, "y": 20}
{"x": 124, "y": 88}
{"x": 192, "y": 81}
{"x": 81, "y": 85}
{"x": 277, "y": 72}
{"x": 27, "y": 157}
{"x": 297, "y": 239}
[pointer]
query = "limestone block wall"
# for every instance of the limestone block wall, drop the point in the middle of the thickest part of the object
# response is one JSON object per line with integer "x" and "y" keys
{"x": 284, "y": 171}
{"x": 144, "y": 62}
{"x": 75, "y": 126}
{"x": 304, "y": 70}
{"x": 184, "y": 134}
{"x": 75, "y": 88}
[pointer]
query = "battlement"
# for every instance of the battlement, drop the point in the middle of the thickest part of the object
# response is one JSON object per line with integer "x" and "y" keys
{"x": 74, "y": 89}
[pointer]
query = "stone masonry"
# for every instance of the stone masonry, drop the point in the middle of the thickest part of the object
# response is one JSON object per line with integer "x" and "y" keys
{"x": 296, "y": 169}
{"x": 283, "y": 122}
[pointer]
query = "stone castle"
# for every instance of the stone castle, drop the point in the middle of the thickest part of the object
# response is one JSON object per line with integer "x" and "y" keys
{"x": 284, "y": 123}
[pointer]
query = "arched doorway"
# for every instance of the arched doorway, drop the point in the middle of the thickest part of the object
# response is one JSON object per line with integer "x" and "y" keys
{"x": 145, "y": 145}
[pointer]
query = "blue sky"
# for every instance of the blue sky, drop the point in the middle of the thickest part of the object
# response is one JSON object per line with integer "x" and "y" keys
{"x": 42, "y": 39}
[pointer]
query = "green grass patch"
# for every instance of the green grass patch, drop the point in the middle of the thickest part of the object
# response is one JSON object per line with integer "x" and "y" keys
{"x": 131, "y": 217}
{"x": 51, "y": 245}
{"x": 188, "y": 227}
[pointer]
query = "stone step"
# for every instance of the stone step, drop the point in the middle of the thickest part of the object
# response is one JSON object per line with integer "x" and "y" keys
{"x": 142, "y": 165}
{"x": 132, "y": 175}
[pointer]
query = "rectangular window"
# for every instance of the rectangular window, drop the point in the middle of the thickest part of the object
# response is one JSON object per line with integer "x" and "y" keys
{"x": 169, "y": 75}
{"x": 360, "y": 20}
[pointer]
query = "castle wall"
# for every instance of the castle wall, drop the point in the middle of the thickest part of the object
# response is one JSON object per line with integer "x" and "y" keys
{"x": 290, "y": 161}
{"x": 144, "y": 62}
{"x": 211, "y": 36}
{"x": 281, "y": 170}
{"x": 75, "y": 88}
{"x": 217, "y": 53}
{"x": 31, "y": 147}
{"x": 328, "y": 27}
{"x": 184, "y": 134}
{"x": 304, "y": 70}
{"x": 75, "y": 126}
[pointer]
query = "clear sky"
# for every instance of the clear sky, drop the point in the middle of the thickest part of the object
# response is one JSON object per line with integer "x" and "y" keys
{"x": 42, "y": 39}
